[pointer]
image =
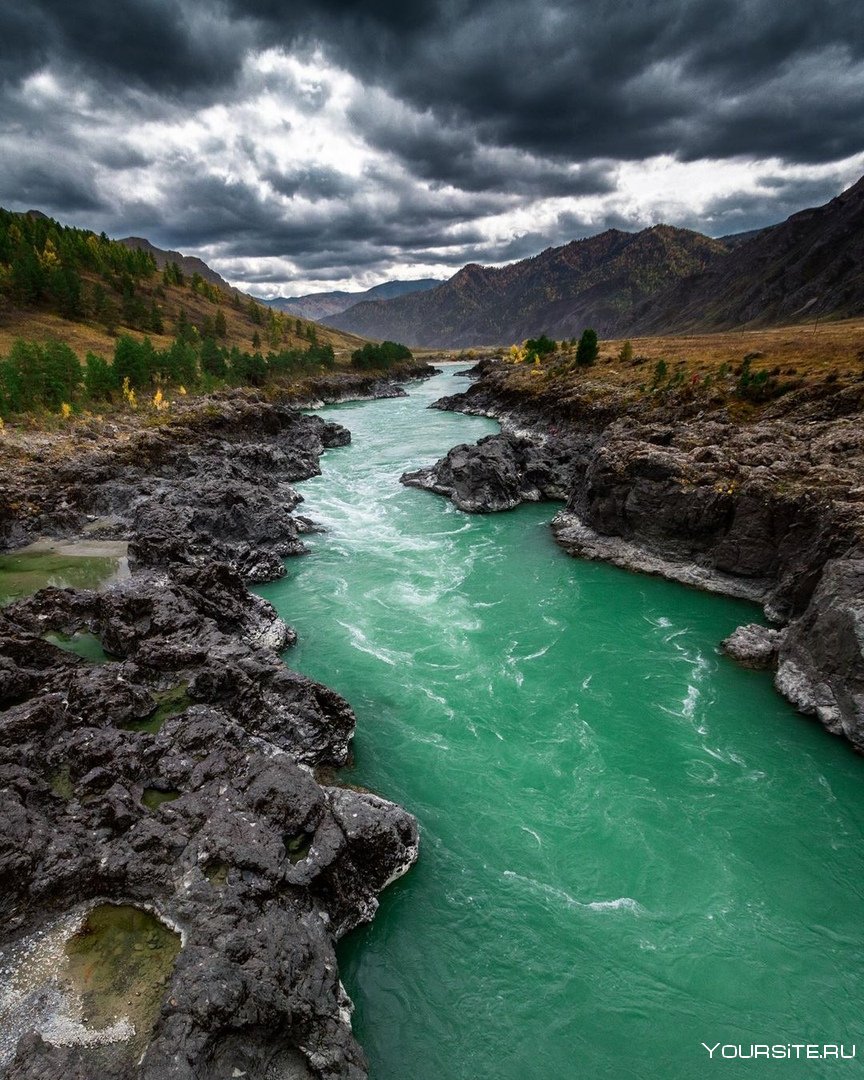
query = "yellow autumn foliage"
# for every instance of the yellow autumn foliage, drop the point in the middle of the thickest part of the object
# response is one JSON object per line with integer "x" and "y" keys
{"x": 129, "y": 394}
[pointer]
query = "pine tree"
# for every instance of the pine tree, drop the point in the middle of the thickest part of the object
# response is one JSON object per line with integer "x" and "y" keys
{"x": 213, "y": 359}
{"x": 586, "y": 350}
{"x": 100, "y": 379}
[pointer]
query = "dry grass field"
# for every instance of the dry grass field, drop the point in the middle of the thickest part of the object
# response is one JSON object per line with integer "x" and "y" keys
{"x": 704, "y": 368}
{"x": 813, "y": 351}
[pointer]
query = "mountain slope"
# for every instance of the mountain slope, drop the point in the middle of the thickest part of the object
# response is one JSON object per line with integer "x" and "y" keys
{"x": 189, "y": 264}
{"x": 594, "y": 282}
{"x": 320, "y": 305}
{"x": 72, "y": 285}
{"x": 810, "y": 265}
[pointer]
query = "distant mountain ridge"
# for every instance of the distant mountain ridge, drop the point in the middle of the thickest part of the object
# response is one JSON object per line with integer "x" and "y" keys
{"x": 319, "y": 305}
{"x": 658, "y": 281}
{"x": 595, "y": 282}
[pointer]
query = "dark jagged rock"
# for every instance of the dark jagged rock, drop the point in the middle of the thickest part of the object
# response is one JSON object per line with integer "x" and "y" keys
{"x": 500, "y": 472}
{"x": 771, "y": 510}
{"x": 258, "y": 947}
{"x": 737, "y": 502}
{"x": 242, "y": 444}
{"x": 259, "y": 866}
{"x": 477, "y": 370}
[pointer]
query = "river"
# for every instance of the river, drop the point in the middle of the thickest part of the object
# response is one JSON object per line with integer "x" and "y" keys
{"x": 630, "y": 846}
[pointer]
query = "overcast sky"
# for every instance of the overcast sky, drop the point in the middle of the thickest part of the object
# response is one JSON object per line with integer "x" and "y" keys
{"x": 305, "y": 146}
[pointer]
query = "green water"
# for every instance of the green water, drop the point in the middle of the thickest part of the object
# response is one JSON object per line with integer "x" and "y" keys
{"x": 119, "y": 962}
{"x": 82, "y": 643}
{"x": 167, "y": 704}
{"x": 630, "y": 846}
{"x": 24, "y": 574}
{"x": 153, "y": 797}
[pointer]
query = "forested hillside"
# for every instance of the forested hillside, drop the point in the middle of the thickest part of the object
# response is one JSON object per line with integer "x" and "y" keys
{"x": 84, "y": 288}
{"x": 85, "y": 320}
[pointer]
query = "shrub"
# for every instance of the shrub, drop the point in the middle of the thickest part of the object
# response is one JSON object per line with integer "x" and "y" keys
{"x": 380, "y": 356}
{"x": 541, "y": 346}
{"x": 100, "y": 379}
{"x": 625, "y": 355}
{"x": 660, "y": 373}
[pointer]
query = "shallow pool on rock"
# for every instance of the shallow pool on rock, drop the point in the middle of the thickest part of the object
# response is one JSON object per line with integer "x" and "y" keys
{"x": 93, "y": 978}
{"x": 167, "y": 704}
{"x": 119, "y": 962}
{"x": 24, "y": 572}
{"x": 82, "y": 643}
{"x": 630, "y": 846}
{"x": 153, "y": 797}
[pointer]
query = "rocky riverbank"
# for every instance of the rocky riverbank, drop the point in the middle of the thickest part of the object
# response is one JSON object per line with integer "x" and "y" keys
{"x": 768, "y": 505}
{"x": 181, "y": 769}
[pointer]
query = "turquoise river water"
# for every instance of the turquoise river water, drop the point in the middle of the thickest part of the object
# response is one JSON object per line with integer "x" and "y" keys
{"x": 630, "y": 846}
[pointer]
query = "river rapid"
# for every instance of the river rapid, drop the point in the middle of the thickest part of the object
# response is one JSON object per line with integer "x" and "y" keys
{"x": 630, "y": 846}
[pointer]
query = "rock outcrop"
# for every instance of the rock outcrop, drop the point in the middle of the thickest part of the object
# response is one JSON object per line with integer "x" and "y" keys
{"x": 771, "y": 509}
{"x": 189, "y": 774}
{"x": 499, "y": 472}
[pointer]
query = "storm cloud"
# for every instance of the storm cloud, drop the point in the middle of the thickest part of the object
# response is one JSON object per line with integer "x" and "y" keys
{"x": 337, "y": 144}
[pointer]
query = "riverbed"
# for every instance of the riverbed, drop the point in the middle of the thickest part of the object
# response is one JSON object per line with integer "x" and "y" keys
{"x": 630, "y": 845}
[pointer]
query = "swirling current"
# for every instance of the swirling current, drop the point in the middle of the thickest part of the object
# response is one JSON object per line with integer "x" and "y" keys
{"x": 630, "y": 846}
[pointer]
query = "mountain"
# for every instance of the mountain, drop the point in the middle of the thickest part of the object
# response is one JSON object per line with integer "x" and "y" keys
{"x": 594, "y": 282}
{"x": 811, "y": 265}
{"x": 189, "y": 264}
{"x": 320, "y": 305}
{"x": 733, "y": 240}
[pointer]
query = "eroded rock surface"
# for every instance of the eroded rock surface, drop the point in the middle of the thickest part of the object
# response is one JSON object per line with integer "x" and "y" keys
{"x": 180, "y": 775}
{"x": 754, "y": 646}
{"x": 500, "y": 472}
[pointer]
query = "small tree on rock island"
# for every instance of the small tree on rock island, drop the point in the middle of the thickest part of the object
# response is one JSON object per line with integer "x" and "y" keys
{"x": 586, "y": 350}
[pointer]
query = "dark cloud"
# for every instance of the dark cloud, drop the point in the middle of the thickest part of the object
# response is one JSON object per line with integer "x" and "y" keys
{"x": 578, "y": 81}
{"x": 475, "y": 107}
{"x": 159, "y": 44}
{"x": 313, "y": 182}
{"x": 117, "y": 156}
{"x": 604, "y": 78}
{"x": 455, "y": 157}
{"x": 66, "y": 191}
{"x": 240, "y": 219}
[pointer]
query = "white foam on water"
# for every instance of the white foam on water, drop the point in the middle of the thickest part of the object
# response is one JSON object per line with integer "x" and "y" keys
{"x": 691, "y": 699}
{"x": 446, "y": 708}
{"x": 531, "y": 656}
{"x": 622, "y": 903}
{"x": 360, "y": 642}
